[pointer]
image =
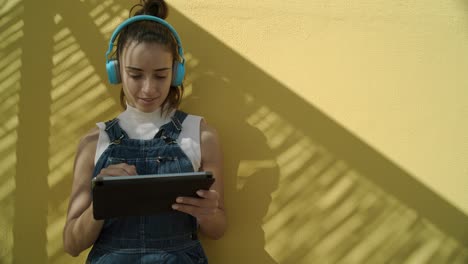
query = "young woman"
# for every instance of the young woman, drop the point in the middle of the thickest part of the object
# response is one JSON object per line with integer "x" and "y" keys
{"x": 149, "y": 65}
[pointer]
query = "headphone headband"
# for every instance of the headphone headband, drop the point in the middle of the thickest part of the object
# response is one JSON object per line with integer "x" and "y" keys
{"x": 140, "y": 18}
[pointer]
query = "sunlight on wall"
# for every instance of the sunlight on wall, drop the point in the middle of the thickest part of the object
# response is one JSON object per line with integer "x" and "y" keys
{"x": 11, "y": 33}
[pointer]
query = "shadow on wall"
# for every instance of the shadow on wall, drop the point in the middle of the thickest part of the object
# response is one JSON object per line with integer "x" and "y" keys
{"x": 251, "y": 172}
{"x": 334, "y": 198}
{"x": 299, "y": 188}
{"x": 31, "y": 193}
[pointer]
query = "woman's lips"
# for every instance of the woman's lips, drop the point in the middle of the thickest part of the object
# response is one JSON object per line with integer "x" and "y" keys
{"x": 147, "y": 100}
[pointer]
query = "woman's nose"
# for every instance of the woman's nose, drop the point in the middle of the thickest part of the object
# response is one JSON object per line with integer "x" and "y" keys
{"x": 149, "y": 86}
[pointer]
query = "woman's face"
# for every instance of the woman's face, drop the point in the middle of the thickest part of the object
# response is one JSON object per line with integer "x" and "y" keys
{"x": 146, "y": 70}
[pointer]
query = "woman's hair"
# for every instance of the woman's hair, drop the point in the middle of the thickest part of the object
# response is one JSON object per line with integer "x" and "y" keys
{"x": 151, "y": 32}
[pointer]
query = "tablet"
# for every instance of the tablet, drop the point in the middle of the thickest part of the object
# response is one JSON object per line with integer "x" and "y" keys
{"x": 118, "y": 196}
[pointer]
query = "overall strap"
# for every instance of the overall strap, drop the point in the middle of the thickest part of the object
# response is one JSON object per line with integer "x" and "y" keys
{"x": 114, "y": 131}
{"x": 170, "y": 131}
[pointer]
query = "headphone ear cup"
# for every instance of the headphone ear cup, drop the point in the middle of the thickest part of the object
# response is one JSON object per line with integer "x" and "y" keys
{"x": 178, "y": 73}
{"x": 113, "y": 71}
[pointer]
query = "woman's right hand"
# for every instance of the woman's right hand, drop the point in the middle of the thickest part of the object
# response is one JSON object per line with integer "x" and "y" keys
{"x": 121, "y": 169}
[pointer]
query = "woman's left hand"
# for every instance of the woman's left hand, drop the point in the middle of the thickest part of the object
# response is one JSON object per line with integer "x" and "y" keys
{"x": 201, "y": 208}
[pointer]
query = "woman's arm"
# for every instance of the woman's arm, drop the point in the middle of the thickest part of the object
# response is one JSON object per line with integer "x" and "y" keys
{"x": 209, "y": 211}
{"x": 81, "y": 229}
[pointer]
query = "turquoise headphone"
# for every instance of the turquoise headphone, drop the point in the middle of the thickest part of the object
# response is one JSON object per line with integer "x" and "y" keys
{"x": 112, "y": 65}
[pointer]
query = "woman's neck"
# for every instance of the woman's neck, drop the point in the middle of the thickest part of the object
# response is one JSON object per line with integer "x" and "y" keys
{"x": 135, "y": 113}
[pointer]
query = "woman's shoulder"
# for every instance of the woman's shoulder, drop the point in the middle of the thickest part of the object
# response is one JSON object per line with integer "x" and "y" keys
{"x": 195, "y": 123}
{"x": 91, "y": 135}
{"x": 89, "y": 140}
{"x": 210, "y": 145}
{"x": 192, "y": 118}
{"x": 189, "y": 121}
{"x": 209, "y": 134}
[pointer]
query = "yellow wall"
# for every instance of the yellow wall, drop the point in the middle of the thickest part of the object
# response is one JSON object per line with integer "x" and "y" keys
{"x": 391, "y": 72}
{"x": 341, "y": 123}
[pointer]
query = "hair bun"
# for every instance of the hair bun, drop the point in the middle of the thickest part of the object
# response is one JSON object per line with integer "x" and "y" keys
{"x": 157, "y": 8}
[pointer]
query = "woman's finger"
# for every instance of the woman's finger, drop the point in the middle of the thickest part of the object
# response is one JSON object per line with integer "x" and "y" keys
{"x": 120, "y": 169}
{"x": 198, "y": 202}
{"x": 195, "y": 210}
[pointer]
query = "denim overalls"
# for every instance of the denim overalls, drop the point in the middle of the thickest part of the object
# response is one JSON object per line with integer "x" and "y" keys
{"x": 163, "y": 238}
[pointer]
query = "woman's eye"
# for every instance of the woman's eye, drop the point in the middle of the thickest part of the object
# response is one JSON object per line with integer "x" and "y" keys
{"x": 160, "y": 77}
{"x": 135, "y": 76}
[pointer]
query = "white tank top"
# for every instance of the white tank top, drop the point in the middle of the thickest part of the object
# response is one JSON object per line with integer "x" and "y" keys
{"x": 140, "y": 125}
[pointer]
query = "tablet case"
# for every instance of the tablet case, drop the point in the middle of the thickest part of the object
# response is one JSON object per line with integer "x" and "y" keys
{"x": 117, "y": 196}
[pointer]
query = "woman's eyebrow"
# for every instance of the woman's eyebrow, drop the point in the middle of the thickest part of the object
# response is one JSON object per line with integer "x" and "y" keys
{"x": 138, "y": 69}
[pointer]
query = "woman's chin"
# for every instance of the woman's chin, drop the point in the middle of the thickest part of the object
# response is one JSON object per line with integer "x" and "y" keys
{"x": 148, "y": 106}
